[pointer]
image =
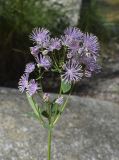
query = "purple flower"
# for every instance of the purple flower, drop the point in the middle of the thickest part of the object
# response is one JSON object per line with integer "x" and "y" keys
{"x": 34, "y": 50}
{"x": 59, "y": 100}
{"x": 73, "y": 32}
{"x": 80, "y": 51}
{"x": 40, "y": 36}
{"x": 90, "y": 64}
{"x": 32, "y": 87}
{"x": 74, "y": 46}
{"x": 73, "y": 72}
{"x": 23, "y": 82}
{"x": 87, "y": 73}
{"x": 55, "y": 43}
{"x": 65, "y": 40}
{"x": 44, "y": 61}
{"x": 90, "y": 45}
{"x": 29, "y": 68}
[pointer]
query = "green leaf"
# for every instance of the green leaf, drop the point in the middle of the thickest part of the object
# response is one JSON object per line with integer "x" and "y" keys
{"x": 65, "y": 86}
{"x": 45, "y": 114}
{"x": 33, "y": 104}
{"x": 53, "y": 107}
{"x": 54, "y": 110}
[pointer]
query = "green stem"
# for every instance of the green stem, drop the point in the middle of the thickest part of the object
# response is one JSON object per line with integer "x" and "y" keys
{"x": 60, "y": 91}
{"x": 49, "y": 143}
{"x": 56, "y": 64}
{"x": 63, "y": 107}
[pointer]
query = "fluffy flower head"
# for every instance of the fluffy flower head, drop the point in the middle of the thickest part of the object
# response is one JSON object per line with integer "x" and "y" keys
{"x": 32, "y": 87}
{"x": 90, "y": 45}
{"x": 55, "y": 43}
{"x": 29, "y": 68}
{"x": 34, "y": 50}
{"x": 90, "y": 64}
{"x": 73, "y": 72}
{"x": 73, "y": 32}
{"x": 73, "y": 46}
{"x": 44, "y": 61}
{"x": 23, "y": 82}
{"x": 40, "y": 36}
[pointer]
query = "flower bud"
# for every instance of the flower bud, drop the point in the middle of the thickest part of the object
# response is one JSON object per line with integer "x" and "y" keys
{"x": 46, "y": 97}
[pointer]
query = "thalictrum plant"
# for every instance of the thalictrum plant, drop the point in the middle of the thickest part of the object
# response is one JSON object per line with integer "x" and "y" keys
{"x": 73, "y": 56}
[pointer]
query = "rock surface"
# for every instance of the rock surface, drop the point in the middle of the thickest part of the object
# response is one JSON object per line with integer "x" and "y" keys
{"x": 88, "y": 130}
{"x": 104, "y": 86}
{"x": 71, "y": 8}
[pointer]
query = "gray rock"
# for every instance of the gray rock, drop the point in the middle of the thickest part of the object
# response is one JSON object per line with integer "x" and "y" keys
{"x": 71, "y": 8}
{"x": 107, "y": 89}
{"x": 88, "y": 130}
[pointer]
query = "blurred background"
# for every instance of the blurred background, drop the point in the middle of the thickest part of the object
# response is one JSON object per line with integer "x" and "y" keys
{"x": 100, "y": 17}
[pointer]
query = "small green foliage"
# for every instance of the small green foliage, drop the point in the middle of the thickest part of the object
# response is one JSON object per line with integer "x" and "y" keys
{"x": 65, "y": 86}
{"x": 54, "y": 109}
{"x": 45, "y": 114}
{"x": 33, "y": 104}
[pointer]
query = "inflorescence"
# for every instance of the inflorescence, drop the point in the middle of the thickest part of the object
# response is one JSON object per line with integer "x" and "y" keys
{"x": 74, "y": 55}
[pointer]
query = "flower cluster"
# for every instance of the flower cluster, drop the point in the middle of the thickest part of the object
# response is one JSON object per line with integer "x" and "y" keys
{"x": 73, "y": 56}
{"x": 24, "y": 84}
{"x": 83, "y": 48}
{"x": 77, "y": 54}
